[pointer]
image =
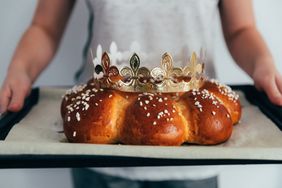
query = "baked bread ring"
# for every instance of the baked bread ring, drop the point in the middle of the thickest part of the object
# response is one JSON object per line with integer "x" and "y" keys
{"x": 106, "y": 116}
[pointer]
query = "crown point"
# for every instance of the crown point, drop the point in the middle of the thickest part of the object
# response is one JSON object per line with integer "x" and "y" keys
{"x": 134, "y": 62}
{"x": 106, "y": 60}
{"x": 105, "y": 56}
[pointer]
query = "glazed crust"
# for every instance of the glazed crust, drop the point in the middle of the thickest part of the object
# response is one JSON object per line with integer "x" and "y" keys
{"x": 153, "y": 119}
{"x": 208, "y": 119}
{"x": 93, "y": 118}
{"x": 106, "y": 116}
{"x": 228, "y": 98}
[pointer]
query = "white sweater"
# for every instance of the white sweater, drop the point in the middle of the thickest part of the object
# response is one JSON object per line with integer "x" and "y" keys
{"x": 175, "y": 26}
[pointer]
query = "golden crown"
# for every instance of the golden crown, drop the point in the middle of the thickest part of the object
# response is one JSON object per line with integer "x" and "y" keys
{"x": 165, "y": 78}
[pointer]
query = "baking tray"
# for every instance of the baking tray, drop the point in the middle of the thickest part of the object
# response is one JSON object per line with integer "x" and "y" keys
{"x": 33, "y": 138}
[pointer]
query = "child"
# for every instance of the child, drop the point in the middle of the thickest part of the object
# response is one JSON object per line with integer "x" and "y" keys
{"x": 178, "y": 26}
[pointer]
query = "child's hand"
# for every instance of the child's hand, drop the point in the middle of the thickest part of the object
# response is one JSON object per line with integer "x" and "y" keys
{"x": 31, "y": 57}
{"x": 15, "y": 88}
{"x": 268, "y": 79}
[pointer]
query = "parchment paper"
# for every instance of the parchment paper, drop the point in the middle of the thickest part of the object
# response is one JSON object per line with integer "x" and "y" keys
{"x": 40, "y": 132}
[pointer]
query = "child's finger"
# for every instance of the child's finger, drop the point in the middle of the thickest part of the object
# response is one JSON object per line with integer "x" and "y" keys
{"x": 5, "y": 97}
{"x": 278, "y": 81}
{"x": 17, "y": 100}
{"x": 273, "y": 92}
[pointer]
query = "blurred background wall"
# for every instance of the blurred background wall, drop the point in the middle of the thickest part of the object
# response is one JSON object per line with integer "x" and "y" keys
{"x": 15, "y": 16}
